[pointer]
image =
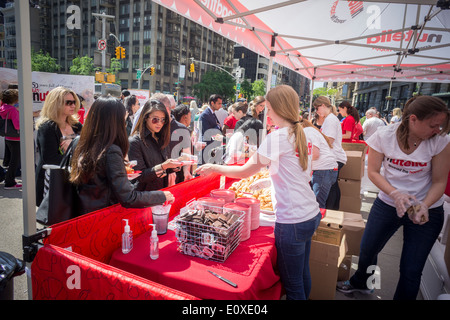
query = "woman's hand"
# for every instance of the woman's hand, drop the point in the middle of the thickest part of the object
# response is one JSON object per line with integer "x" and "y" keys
{"x": 171, "y": 164}
{"x": 169, "y": 197}
{"x": 205, "y": 169}
{"x": 402, "y": 201}
{"x": 65, "y": 144}
{"x": 419, "y": 214}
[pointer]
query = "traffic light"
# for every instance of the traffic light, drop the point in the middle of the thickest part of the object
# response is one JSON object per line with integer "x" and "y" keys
{"x": 192, "y": 68}
{"x": 118, "y": 52}
{"x": 122, "y": 52}
{"x": 152, "y": 71}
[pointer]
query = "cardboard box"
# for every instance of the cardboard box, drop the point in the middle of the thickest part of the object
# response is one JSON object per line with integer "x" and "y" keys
{"x": 330, "y": 228}
{"x": 345, "y": 268}
{"x": 447, "y": 252}
{"x": 324, "y": 262}
{"x": 354, "y": 168}
{"x": 349, "y": 188}
{"x": 353, "y": 228}
{"x": 350, "y": 204}
{"x": 348, "y": 146}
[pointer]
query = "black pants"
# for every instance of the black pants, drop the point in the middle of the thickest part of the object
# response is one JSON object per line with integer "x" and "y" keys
{"x": 14, "y": 162}
{"x": 334, "y": 197}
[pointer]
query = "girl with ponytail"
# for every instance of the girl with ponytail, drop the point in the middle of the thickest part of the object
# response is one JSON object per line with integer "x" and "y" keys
{"x": 287, "y": 154}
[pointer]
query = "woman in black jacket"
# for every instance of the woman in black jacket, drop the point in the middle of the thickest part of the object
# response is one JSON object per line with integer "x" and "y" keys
{"x": 98, "y": 162}
{"x": 56, "y": 127}
{"x": 149, "y": 147}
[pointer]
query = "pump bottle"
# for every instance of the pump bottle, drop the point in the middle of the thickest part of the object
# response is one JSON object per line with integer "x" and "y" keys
{"x": 127, "y": 238}
{"x": 154, "y": 244}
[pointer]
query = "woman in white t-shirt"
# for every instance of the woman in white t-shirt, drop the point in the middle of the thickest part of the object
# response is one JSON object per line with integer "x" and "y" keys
{"x": 297, "y": 212}
{"x": 331, "y": 127}
{"x": 324, "y": 165}
{"x": 414, "y": 154}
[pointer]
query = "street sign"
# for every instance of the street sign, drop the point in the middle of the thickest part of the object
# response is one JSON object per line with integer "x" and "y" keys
{"x": 101, "y": 44}
{"x": 138, "y": 74}
{"x": 238, "y": 86}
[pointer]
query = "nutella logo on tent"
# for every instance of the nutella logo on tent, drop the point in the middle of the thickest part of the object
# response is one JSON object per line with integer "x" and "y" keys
{"x": 219, "y": 9}
{"x": 405, "y": 36}
{"x": 354, "y": 8}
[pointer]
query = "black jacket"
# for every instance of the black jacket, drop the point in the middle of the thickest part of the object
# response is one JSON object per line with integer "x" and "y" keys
{"x": 147, "y": 157}
{"x": 110, "y": 185}
{"x": 48, "y": 139}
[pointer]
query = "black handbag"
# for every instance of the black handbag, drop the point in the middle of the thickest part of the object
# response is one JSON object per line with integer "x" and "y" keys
{"x": 7, "y": 128}
{"x": 61, "y": 202}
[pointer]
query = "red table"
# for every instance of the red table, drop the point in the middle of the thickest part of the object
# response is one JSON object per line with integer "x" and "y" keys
{"x": 251, "y": 266}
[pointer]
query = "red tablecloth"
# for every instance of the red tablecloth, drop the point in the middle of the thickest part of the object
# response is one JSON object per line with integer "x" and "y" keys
{"x": 251, "y": 266}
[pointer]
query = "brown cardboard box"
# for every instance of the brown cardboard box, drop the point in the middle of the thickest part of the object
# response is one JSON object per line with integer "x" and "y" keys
{"x": 353, "y": 228}
{"x": 348, "y": 146}
{"x": 324, "y": 262}
{"x": 345, "y": 268}
{"x": 330, "y": 228}
{"x": 354, "y": 168}
{"x": 349, "y": 188}
{"x": 350, "y": 204}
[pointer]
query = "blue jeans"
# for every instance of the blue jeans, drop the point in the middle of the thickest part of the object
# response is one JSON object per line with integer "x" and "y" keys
{"x": 321, "y": 183}
{"x": 293, "y": 243}
{"x": 418, "y": 240}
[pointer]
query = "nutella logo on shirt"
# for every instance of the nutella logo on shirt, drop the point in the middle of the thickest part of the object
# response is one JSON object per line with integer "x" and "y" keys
{"x": 309, "y": 150}
{"x": 406, "y": 163}
{"x": 397, "y": 164}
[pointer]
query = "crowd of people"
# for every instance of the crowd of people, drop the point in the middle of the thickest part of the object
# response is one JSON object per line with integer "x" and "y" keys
{"x": 303, "y": 158}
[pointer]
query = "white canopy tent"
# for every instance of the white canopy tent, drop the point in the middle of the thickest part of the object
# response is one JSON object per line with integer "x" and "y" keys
{"x": 324, "y": 40}
{"x": 332, "y": 40}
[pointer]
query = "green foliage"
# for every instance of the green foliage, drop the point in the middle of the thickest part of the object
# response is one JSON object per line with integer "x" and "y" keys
{"x": 115, "y": 68}
{"x": 259, "y": 88}
{"x": 212, "y": 82}
{"x": 43, "y": 62}
{"x": 83, "y": 66}
{"x": 246, "y": 89}
{"x": 322, "y": 91}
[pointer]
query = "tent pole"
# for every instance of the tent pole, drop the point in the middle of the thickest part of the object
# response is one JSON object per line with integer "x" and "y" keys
{"x": 268, "y": 84}
{"x": 22, "y": 15}
{"x": 311, "y": 99}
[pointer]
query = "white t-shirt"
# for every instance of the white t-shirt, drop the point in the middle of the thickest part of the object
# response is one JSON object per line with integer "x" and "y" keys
{"x": 221, "y": 115}
{"x": 409, "y": 173}
{"x": 327, "y": 159}
{"x": 331, "y": 127}
{"x": 292, "y": 197}
{"x": 371, "y": 125}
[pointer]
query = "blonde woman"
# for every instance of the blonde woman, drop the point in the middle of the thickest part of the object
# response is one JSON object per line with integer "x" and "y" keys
{"x": 396, "y": 115}
{"x": 56, "y": 127}
{"x": 297, "y": 213}
{"x": 331, "y": 127}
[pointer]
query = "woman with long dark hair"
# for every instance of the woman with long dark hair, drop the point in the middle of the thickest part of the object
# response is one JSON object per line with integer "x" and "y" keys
{"x": 351, "y": 119}
{"x": 149, "y": 146}
{"x": 98, "y": 162}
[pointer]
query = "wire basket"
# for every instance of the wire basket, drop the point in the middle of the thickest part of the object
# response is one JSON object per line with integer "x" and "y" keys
{"x": 208, "y": 232}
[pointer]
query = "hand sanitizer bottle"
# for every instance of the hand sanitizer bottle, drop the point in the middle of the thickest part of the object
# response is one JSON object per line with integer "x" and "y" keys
{"x": 127, "y": 238}
{"x": 154, "y": 244}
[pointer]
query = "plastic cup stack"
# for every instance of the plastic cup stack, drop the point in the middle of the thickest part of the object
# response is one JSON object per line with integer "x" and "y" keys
{"x": 227, "y": 195}
{"x": 254, "y": 205}
{"x": 211, "y": 203}
{"x": 246, "y": 228}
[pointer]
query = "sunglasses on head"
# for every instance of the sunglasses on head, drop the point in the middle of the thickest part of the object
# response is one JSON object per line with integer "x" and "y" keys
{"x": 70, "y": 102}
{"x": 155, "y": 120}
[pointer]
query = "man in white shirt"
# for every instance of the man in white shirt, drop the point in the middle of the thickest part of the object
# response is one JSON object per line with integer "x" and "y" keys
{"x": 371, "y": 124}
{"x": 221, "y": 115}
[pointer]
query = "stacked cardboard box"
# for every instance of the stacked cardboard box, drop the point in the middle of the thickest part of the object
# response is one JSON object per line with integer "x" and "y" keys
{"x": 350, "y": 177}
{"x": 336, "y": 239}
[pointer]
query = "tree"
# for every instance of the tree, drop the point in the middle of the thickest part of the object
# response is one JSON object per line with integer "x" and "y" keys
{"x": 322, "y": 91}
{"x": 43, "y": 62}
{"x": 115, "y": 68}
{"x": 215, "y": 82}
{"x": 246, "y": 89}
{"x": 259, "y": 88}
{"x": 82, "y": 66}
